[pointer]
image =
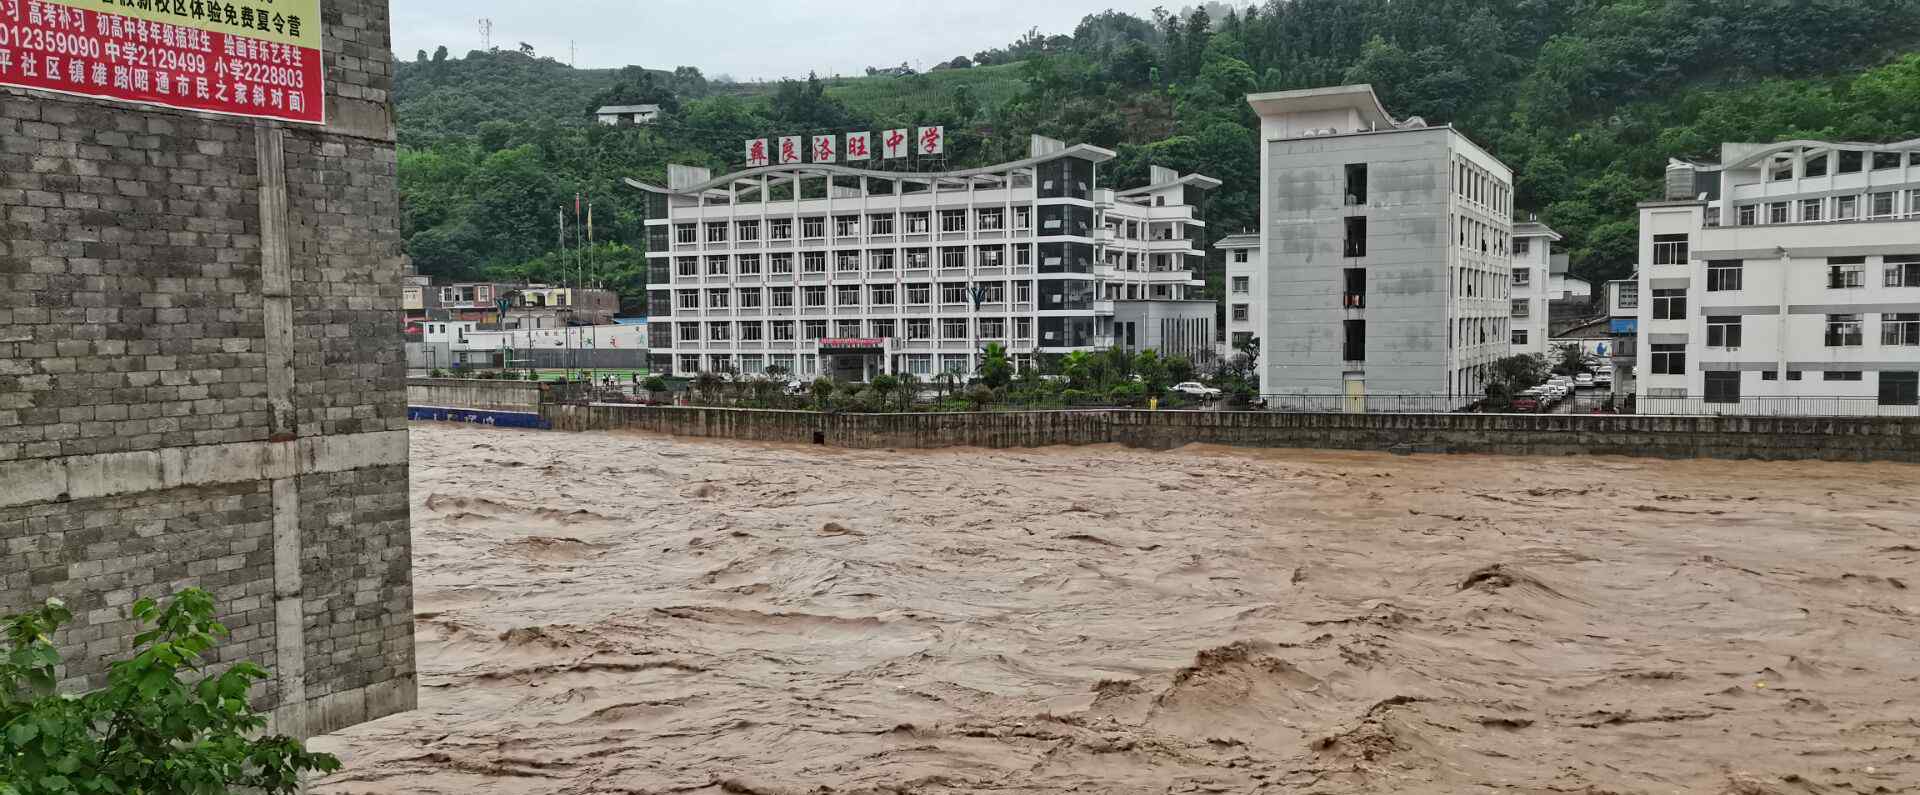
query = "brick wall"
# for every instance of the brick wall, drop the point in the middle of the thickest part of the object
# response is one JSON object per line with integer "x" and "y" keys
{"x": 202, "y": 378}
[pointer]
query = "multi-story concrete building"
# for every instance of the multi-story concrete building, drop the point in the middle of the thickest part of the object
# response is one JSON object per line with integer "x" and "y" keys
{"x": 1386, "y": 248}
{"x": 1246, "y": 289}
{"x": 1623, "y": 319}
{"x": 1531, "y": 288}
{"x": 820, "y": 268}
{"x": 501, "y": 306}
{"x": 1784, "y": 279}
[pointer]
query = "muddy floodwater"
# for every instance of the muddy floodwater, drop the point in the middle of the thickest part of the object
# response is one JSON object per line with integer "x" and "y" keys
{"x": 635, "y": 614}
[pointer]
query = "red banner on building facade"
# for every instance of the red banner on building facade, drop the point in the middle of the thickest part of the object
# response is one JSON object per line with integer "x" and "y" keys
{"x": 257, "y": 58}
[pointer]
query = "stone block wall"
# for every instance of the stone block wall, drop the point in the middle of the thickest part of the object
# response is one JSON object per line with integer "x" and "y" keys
{"x": 474, "y": 393}
{"x": 202, "y": 378}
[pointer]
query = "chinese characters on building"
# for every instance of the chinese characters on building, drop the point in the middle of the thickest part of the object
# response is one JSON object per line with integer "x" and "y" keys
{"x": 893, "y": 144}
{"x": 240, "y": 58}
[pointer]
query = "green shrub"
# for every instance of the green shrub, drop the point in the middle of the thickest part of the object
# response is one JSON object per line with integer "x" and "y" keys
{"x": 654, "y": 383}
{"x": 148, "y": 730}
{"x": 437, "y": 373}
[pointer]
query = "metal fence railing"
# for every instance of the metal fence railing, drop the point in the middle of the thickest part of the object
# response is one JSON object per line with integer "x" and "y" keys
{"x": 1593, "y": 402}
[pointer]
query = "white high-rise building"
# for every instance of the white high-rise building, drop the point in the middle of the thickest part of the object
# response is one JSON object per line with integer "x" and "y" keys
{"x": 1246, "y": 289}
{"x": 1531, "y": 289}
{"x": 849, "y": 271}
{"x": 1386, "y": 248}
{"x": 1784, "y": 279}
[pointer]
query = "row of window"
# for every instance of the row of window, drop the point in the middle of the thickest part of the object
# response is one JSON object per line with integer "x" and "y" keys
{"x": 919, "y": 364}
{"x": 851, "y": 261}
{"x": 1476, "y": 184}
{"x": 852, "y": 295}
{"x": 1842, "y": 330}
{"x": 1135, "y": 262}
{"x": 1897, "y": 388}
{"x": 1781, "y": 169}
{"x": 950, "y": 328}
{"x": 1474, "y": 234}
{"x": 1881, "y": 204}
{"x": 1901, "y": 270}
{"x": 814, "y": 227}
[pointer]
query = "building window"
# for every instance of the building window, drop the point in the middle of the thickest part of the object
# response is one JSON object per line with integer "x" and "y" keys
{"x": 1881, "y": 205}
{"x": 686, "y": 266}
{"x": 717, "y": 266}
{"x": 1669, "y": 359}
{"x": 1519, "y": 336}
{"x": 1900, "y": 328}
{"x": 720, "y": 331}
{"x": 1723, "y": 331}
{"x": 919, "y": 328}
{"x": 1023, "y": 256}
{"x": 1900, "y": 388}
{"x": 1356, "y": 237}
{"x": 1023, "y": 292}
{"x": 1356, "y": 184}
{"x": 991, "y": 220}
{"x": 1240, "y": 312}
{"x": 1240, "y": 255}
{"x": 846, "y": 261}
{"x": 1723, "y": 387}
{"x": 1724, "y": 275}
{"x": 919, "y": 258}
{"x": 846, "y": 328}
{"x": 1522, "y": 277}
{"x": 752, "y": 331}
{"x": 989, "y": 256}
{"x": 813, "y": 262}
{"x": 813, "y": 329}
{"x": 1903, "y": 270}
{"x": 880, "y": 224}
{"x": 1811, "y": 209}
{"x": 689, "y": 332}
{"x": 1670, "y": 250}
{"x": 1846, "y": 208}
{"x": 747, "y": 231}
{"x": 782, "y": 298}
{"x": 917, "y": 223}
{"x": 1520, "y": 308}
{"x": 716, "y": 231}
{"x": 780, "y": 229}
{"x": 1023, "y": 328}
{"x": 880, "y": 259}
{"x": 780, "y": 264}
{"x": 1770, "y": 375}
{"x": 881, "y": 294}
{"x": 1630, "y": 295}
{"x": 1816, "y": 166}
{"x": 1022, "y": 218}
{"x": 814, "y": 297}
{"x": 1354, "y": 288}
{"x": 1240, "y": 284}
{"x": 919, "y": 294}
{"x": 783, "y": 331}
{"x": 1844, "y": 273}
{"x": 1842, "y": 375}
{"x": 1794, "y": 375}
{"x": 920, "y": 364}
{"x": 719, "y": 298}
{"x": 993, "y": 328}
{"x": 1843, "y": 331}
{"x": 750, "y": 298}
{"x": 953, "y": 328}
{"x": 953, "y": 220}
{"x": 953, "y": 292}
{"x": 846, "y": 295}
{"x": 1669, "y": 304}
{"x": 882, "y": 328}
{"x": 813, "y": 228}
{"x": 953, "y": 257}
{"x": 1850, "y": 162}
{"x": 1522, "y": 246}
{"x": 689, "y": 299}
{"x": 955, "y": 363}
{"x": 1354, "y": 348}
{"x": 1777, "y": 212}
{"x": 689, "y": 363}
{"x": 1885, "y": 160}
{"x": 1749, "y": 214}
{"x": 846, "y": 226}
{"x": 686, "y": 233}
{"x": 749, "y": 264}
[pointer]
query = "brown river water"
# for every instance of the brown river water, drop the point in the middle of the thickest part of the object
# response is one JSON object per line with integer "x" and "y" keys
{"x": 635, "y": 614}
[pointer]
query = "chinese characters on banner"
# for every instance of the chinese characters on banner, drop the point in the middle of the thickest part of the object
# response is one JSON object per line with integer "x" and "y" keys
{"x": 894, "y": 144}
{"x": 256, "y": 58}
{"x": 756, "y": 150}
{"x": 789, "y": 149}
{"x": 823, "y": 148}
{"x": 933, "y": 140}
{"x": 857, "y": 146}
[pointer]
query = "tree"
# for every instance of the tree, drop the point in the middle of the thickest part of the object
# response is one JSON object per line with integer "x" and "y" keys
{"x": 440, "y": 54}
{"x": 1152, "y": 370}
{"x": 1179, "y": 369}
{"x": 163, "y": 723}
{"x": 1078, "y": 368}
{"x": 526, "y": 49}
{"x": 959, "y": 62}
{"x": 1570, "y": 359}
{"x": 946, "y": 380}
{"x": 995, "y": 371}
{"x": 1509, "y": 375}
{"x": 710, "y": 386}
{"x": 822, "y": 389}
{"x": 907, "y": 389}
{"x": 420, "y": 56}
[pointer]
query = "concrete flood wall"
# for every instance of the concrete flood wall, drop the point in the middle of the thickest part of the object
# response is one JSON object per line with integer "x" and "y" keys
{"x": 1772, "y": 438}
{"x": 474, "y": 393}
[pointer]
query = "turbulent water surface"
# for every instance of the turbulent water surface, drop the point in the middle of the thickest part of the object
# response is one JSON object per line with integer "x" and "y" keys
{"x": 608, "y": 613}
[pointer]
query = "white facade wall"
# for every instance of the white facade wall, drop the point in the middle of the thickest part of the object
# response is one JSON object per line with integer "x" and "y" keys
{"x": 1798, "y": 297}
{"x": 1530, "y": 290}
{"x": 1246, "y": 288}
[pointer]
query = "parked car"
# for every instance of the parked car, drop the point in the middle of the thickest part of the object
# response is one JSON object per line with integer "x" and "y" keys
{"x": 1527, "y": 405}
{"x": 1603, "y": 378}
{"x": 1584, "y": 381}
{"x": 1195, "y": 389}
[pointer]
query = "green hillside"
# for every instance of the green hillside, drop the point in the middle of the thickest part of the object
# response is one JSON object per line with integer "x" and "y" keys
{"x": 1586, "y": 99}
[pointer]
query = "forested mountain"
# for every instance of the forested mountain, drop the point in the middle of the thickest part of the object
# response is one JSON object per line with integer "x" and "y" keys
{"x": 1586, "y": 99}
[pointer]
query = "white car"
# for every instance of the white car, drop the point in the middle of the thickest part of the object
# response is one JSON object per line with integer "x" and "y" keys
{"x": 1605, "y": 378}
{"x": 1584, "y": 381}
{"x": 1195, "y": 389}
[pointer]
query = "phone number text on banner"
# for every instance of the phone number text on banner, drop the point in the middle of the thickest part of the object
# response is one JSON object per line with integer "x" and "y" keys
{"x": 256, "y": 58}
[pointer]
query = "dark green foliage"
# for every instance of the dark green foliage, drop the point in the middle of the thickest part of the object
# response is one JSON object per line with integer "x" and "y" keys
{"x": 163, "y": 724}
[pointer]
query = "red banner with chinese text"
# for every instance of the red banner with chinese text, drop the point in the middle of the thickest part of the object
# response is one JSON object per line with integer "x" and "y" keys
{"x": 258, "y": 58}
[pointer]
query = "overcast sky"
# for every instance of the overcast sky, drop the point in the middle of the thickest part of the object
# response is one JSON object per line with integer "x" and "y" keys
{"x": 745, "y": 39}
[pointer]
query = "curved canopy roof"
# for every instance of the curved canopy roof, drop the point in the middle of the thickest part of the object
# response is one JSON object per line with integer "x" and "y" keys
{"x": 1083, "y": 151}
